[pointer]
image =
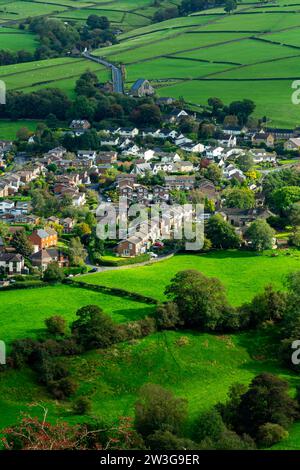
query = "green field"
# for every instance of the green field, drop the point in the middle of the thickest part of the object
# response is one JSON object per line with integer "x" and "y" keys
{"x": 244, "y": 274}
{"x": 61, "y": 73}
{"x": 8, "y": 129}
{"x": 201, "y": 371}
{"x": 22, "y": 312}
{"x": 14, "y": 40}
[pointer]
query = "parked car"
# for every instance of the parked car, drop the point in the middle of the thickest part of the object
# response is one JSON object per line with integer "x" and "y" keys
{"x": 152, "y": 255}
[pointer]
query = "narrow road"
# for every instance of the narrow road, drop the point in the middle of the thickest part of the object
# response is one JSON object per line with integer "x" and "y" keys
{"x": 117, "y": 77}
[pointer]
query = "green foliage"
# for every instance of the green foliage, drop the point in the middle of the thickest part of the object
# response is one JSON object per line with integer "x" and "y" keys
{"x": 157, "y": 409}
{"x": 94, "y": 329}
{"x": 56, "y": 325}
{"x": 53, "y": 273}
{"x": 221, "y": 233}
{"x": 21, "y": 244}
{"x": 261, "y": 235}
{"x": 201, "y": 301}
{"x": 241, "y": 198}
{"x": 271, "y": 433}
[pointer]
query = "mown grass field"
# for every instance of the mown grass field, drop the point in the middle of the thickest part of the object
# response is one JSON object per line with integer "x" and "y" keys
{"x": 22, "y": 312}
{"x": 244, "y": 274}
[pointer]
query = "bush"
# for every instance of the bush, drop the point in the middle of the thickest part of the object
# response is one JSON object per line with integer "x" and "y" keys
{"x": 124, "y": 261}
{"x": 167, "y": 316}
{"x": 158, "y": 409}
{"x": 82, "y": 406}
{"x": 271, "y": 433}
{"x": 165, "y": 440}
{"x": 94, "y": 329}
{"x": 53, "y": 273}
{"x": 56, "y": 325}
{"x": 63, "y": 388}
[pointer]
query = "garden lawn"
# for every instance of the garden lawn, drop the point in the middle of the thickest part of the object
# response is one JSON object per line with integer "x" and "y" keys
{"x": 22, "y": 312}
{"x": 244, "y": 274}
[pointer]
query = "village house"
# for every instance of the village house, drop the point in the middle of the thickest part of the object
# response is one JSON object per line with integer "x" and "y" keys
{"x": 262, "y": 156}
{"x": 141, "y": 88}
{"x": 234, "y": 130}
{"x": 43, "y": 238}
{"x": 228, "y": 140}
{"x": 132, "y": 246}
{"x": 160, "y": 193}
{"x": 110, "y": 141}
{"x": 177, "y": 115}
{"x": 68, "y": 224}
{"x": 11, "y": 263}
{"x": 180, "y": 182}
{"x": 242, "y": 218}
{"x": 184, "y": 167}
{"x": 80, "y": 125}
{"x": 192, "y": 148}
{"x": 263, "y": 138}
{"x": 6, "y": 206}
{"x": 128, "y": 132}
{"x": 208, "y": 189}
{"x": 43, "y": 258}
{"x": 87, "y": 155}
{"x": 292, "y": 144}
{"x": 107, "y": 157}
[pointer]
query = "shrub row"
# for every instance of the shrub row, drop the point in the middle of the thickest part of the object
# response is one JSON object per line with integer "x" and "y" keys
{"x": 112, "y": 291}
{"x": 125, "y": 261}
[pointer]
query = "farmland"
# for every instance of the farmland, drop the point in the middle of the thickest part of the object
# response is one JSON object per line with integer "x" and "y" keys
{"x": 244, "y": 274}
{"x": 205, "y": 54}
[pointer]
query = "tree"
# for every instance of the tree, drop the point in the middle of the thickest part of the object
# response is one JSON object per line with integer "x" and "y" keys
{"x": 77, "y": 252}
{"x": 245, "y": 162}
{"x": 157, "y": 409}
{"x": 221, "y": 233}
{"x": 21, "y": 243}
{"x": 240, "y": 198}
{"x": 53, "y": 273}
{"x": 165, "y": 440}
{"x": 209, "y": 425}
{"x": 147, "y": 114}
{"x": 94, "y": 329}
{"x": 270, "y": 305}
{"x": 213, "y": 173}
{"x": 261, "y": 235}
{"x": 283, "y": 198}
{"x": 230, "y": 5}
{"x": 266, "y": 401}
{"x": 294, "y": 215}
{"x": 56, "y": 325}
{"x": 201, "y": 301}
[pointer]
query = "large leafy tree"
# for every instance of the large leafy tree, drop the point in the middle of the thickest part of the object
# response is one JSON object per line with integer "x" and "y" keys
{"x": 221, "y": 233}
{"x": 261, "y": 235}
{"x": 201, "y": 301}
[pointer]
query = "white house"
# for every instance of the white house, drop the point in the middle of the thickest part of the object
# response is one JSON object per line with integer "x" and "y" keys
{"x": 6, "y": 206}
{"x": 12, "y": 263}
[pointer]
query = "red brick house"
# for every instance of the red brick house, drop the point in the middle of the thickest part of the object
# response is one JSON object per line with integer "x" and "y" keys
{"x": 43, "y": 238}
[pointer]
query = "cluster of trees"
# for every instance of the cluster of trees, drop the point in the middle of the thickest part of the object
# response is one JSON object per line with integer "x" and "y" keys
{"x": 59, "y": 38}
{"x": 236, "y": 113}
{"x": 199, "y": 302}
{"x": 10, "y": 57}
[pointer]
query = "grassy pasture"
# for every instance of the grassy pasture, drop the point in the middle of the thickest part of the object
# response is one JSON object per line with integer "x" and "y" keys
{"x": 172, "y": 68}
{"x": 244, "y": 52}
{"x": 22, "y": 312}
{"x": 244, "y": 274}
{"x": 61, "y": 73}
{"x": 8, "y": 129}
{"x": 201, "y": 371}
{"x": 17, "y": 40}
{"x": 22, "y": 9}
